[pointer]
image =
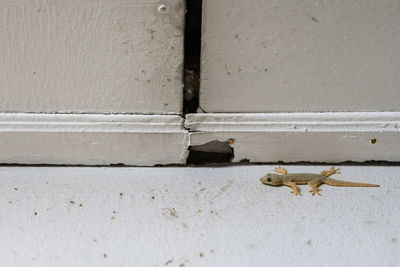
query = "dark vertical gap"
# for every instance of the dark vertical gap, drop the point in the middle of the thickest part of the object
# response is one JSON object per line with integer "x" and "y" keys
{"x": 192, "y": 50}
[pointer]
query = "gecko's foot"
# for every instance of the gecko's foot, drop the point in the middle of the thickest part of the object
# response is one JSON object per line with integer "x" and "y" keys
{"x": 330, "y": 172}
{"x": 280, "y": 170}
{"x": 297, "y": 193}
{"x": 316, "y": 191}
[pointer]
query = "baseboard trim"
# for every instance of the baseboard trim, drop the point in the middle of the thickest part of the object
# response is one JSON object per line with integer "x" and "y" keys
{"x": 92, "y": 139}
{"x": 290, "y": 137}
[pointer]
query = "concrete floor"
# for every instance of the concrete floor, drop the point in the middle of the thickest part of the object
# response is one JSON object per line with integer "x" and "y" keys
{"x": 53, "y": 216}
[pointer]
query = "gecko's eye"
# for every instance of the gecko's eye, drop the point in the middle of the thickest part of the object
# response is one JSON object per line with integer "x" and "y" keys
{"x": 269, "y": 180}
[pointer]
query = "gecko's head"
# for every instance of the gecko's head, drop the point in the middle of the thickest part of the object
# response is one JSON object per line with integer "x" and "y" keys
{"x": 271, "y": 179}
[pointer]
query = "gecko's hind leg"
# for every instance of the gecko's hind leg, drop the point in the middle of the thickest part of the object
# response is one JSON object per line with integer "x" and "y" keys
{"x": 313, "y": 184}
{"x": 329, "y": 172}
{"x": 296, "y": 190}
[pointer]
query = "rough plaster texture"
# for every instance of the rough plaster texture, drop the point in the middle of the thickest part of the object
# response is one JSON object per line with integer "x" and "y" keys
{"x": 91, "y": 56}
{"x": 313, "y": 55}
{"x": 195, "y": 217}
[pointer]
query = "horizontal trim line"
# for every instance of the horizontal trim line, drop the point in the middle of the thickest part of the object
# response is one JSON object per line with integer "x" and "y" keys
{"x": 294, "y": 122}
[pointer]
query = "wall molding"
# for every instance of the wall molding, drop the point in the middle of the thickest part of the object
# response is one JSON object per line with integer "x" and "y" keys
{"x": 92, "y": 139}
{"x": 330, "y": 137}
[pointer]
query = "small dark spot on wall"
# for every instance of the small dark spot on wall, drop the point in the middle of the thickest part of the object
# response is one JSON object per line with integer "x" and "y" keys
{"x": 373, "y": 141}
{"x": 309, "y": 242}
{"x": 166, "y": 104}
{"x": 394, "y": 240}
{"x": 114, "y": 212}
{"x": 143, "y": 71}
{"x": 81, "y": 205}
{"x": 239, "y": 69}
{"x": 152, "y": 197}
{"x": 72, "y": 202}
{"x": 112, "y": 217}
{"x": 169, "y": 261}
{"x": 181, "y": 265}
{"x": 265, "y": 69}
{"x": 172, "y": 47}
{"x": 38, "y": 10}
{"x": 148, "y": 81}
{"x": 120, "y": 195}
{"x": 212, "y": 251}
{"x": 34, "y": 72}
{"x": 35, "y": 213}
{"x": 314, "y": 19}
{"x": 201, "y": 255}
{"x": 95, "y": 240}
{"x": 105, "y": 255}
{"x": 15, "y": 188}
{"x": 168, "y": 79}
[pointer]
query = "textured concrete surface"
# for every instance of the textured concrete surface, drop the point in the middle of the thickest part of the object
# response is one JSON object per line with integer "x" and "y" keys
{"x": 54, "y": 216}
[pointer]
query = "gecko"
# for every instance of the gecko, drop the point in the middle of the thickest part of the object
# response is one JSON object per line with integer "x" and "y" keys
{"x": 313, "y": 180}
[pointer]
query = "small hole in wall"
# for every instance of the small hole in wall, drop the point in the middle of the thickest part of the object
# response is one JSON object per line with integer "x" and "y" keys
{"x": 373, "y": 141}
{"x": 162, "y": 8}
{"x": 211, "y": 152}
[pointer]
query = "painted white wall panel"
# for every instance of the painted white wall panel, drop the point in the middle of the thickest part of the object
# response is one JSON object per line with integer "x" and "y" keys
{"x": 313, "y": 55}
{"x": 91, "y": 56}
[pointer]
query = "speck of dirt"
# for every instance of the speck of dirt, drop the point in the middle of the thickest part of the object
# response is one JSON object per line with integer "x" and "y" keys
{"x": 148, "y": 81}
{"x": 181, "y": 265}
{"x": 314, "y": 19}
{"x": 166, "y": 104}
{"x": 72, "y": 202}
{"x": 10, "y": 202}
{"x": 81, "y": 205}
{"x": 266, "y": 69}
{"x": 203, "y": 189}
{"x": 120, "y": 195}
{"x": 199, "y": 211}
{"x": 143, "y": 71}
{"x": 15, "y": 188}
{"x": 105, "y": 255}
{"x": 185, "y": 225}
{"x": 169, "y": 80}
{"x": 212, "y": 251}
{"x": 34, "y": 72}
{"x": 309, "y": 242}
{"x": 201, "y": 255}
{"x": 172, "y": 47}
{"x": 114, "y": 211}
{"x": 394, "y": 240}
{"x": 152, "y": 197}
{"x": 35, "y": 213}
{"x": 169, "y": 261}
{"x": 95, "y": 240}
{"x": 373, "y": 141}
{"x": 112, "y": 217}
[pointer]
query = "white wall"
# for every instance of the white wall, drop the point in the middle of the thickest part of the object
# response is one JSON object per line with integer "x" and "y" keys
{"x": 91, "y": 56}
{"x": 313, "y": 55}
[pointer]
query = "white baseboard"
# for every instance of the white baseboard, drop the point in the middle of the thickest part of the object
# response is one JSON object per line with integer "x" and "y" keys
{"x": 291, "y": 137}
{"x": 92, "y": 139}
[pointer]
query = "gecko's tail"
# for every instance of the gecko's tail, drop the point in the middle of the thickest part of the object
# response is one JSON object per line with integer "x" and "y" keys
{"x": 333, "y": 182}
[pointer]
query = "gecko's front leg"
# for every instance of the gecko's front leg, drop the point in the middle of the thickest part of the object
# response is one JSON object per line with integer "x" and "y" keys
{"x": 293, "y": 185}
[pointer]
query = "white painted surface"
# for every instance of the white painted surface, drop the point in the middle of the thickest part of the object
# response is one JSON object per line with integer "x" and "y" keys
{"x": 91, "y": 56}
{"x": 224, "y": 214}
{"x": 313, "y": 55}
{"x": 92, "y": 139}
{"x": 292, "y": 137}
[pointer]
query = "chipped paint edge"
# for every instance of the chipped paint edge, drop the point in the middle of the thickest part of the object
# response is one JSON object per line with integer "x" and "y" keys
{"x": 293, "y": 137}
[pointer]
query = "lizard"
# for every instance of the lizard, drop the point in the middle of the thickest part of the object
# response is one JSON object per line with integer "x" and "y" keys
{"x": 313, "y": 180}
